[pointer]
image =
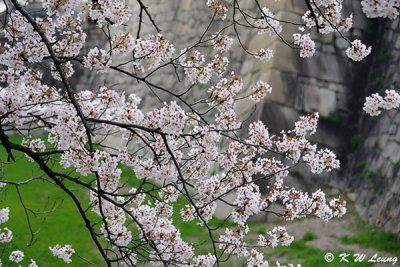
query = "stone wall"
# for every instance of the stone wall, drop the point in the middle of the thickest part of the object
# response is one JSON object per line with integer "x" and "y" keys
{"x": 374, "y": 174}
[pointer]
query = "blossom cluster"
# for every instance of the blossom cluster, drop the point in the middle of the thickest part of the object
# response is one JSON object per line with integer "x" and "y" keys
{"x": 264, "y": 55}
{"x": 223, "y": 98}
{"x": 97, "y": 59}
{"x": 300, "y": 204}
{"x": 16, "y": 256}
{"x": 259, "y": 91}
{"x": 62, "y": 27}
{"x": 219, "y": 64}
{"x": 157, "y": 227}
{"x": 5, "y": 233}
{"x": 327, "y": 17}
{"x": 267, "y": 24}
{"x": 382, "y": 8}
{"x": 306, "y": 43}
{"x": 195, "y": 68}
{"x": 278, "y": 235}
{"x": 67, "y": 68}
{"x": 112, "y": 11}
{"x": 63, "y": 253}
{"x": 6, "y": 236}
{"x": 218, "y": 8}
{"x": 59, "y": 6}
{"x": 358, "y": 51}
{"x": 155, "y": 49}
{"x": 221, "y": 42}
{"x": 204, "y": 260}
{"x": 122, "y": 42}
{"x": 373, "y": 103}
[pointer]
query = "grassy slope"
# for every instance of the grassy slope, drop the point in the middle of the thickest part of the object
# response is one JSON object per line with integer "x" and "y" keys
{"x": 300, "y": 252}
{"x": 368, "y": 236}
{"x": 63, "y": 226}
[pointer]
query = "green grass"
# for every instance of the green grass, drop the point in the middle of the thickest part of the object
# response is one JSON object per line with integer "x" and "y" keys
{"x": 301, "y": 253}
{"x": 374, "y": 238}
{"x": 62, "y": 226}
{"x": 368, "y": 236}
{"x": 308, "y": 236}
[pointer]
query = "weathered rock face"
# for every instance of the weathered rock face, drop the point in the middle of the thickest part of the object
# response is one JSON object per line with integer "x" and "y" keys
{"x": 374, "y": 172}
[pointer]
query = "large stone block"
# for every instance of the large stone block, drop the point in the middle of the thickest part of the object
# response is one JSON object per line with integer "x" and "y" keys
{"x": 397, "y": 44}
{"x": 323, "y": 38}
{"x": 319, "y": 99}
{"x": 341, "y": 43}
{"x": 285, "y": 58}
{"x": 259, "y": 41}
{"x": 341, "y": 101}
{"x": 324, "y": 66}
{"x": 283, "y": 86}
{"x": 278, "y": 117}
{"x": 328, "y": 67}
{"x": 328, "y": 48}
{"x": 251, "y": 65}
{"x": 185, "y": 5}
{"x": 288, "y": 29}
{"x": 295, "y": 6}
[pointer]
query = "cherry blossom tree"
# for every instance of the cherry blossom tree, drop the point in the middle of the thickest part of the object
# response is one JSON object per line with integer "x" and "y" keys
{"x": 192, "y": 149}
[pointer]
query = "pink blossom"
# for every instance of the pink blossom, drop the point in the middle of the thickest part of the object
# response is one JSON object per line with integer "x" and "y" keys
{"x": 358, "y": 51}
